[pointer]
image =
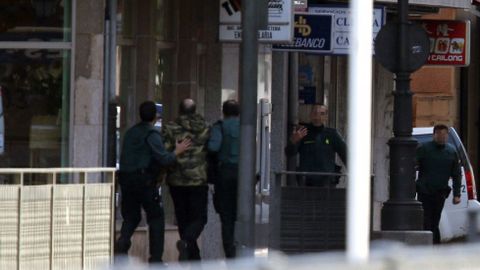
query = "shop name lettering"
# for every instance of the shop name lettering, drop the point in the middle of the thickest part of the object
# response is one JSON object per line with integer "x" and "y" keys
{"x": 345, "y": 21}
{"x": 448, "y": 58}
{"x": 313, "y": 43}
{"x": 309, "y": 43}
{"x": 276, "y": 4}
{"x": 260, "y": 35}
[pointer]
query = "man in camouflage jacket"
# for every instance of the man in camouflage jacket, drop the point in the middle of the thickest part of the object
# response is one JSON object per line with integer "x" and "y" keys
{"x": 187, "y": 177}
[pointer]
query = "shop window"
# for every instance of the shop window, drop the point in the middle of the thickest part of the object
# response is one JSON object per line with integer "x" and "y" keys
{"x": 126, "y": 86}
{"x": 35, "y": 20}
{"x": 35, "y": 100}
{"x": 164, "y": 18}
{"x": 164, "y": 75}
{"x": 164, "y": 24}
{"x": 125, "y": 18}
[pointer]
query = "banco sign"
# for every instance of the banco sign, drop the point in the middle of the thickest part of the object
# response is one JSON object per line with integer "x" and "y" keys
{"x": 312, "y": 33}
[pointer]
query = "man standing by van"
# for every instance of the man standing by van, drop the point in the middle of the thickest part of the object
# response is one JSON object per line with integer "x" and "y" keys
{"x": 437, "y": 161}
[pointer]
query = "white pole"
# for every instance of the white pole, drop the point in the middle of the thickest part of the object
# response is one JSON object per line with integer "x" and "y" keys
{"x": 359, "y": 130}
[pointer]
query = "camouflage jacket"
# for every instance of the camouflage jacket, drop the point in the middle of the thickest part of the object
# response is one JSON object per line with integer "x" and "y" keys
{"x": 190, "y": 167}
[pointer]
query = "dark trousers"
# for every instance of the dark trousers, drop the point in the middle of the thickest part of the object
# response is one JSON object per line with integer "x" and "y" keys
{"x": 138, "y": 192}
{"x": 432, "y": 211}
{"x": 225, "y": 202}
{"x": 190, "y": 204}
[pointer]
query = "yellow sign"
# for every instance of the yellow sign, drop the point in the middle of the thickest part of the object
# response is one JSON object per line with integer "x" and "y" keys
{"x": 303, "y": 28}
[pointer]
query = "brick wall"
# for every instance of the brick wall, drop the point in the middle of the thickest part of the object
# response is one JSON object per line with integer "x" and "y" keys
{"x": 435, "y": 89}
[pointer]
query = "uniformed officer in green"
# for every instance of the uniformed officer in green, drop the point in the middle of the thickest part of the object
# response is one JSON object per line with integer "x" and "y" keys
{"x": 437, "y": 161}
{"x": 317, "y": 145}
{"x": 142, "y": 155}
{"x": 225, "y": 140}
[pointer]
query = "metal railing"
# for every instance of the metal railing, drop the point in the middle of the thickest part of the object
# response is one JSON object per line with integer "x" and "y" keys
{"x": 56, "y": 218}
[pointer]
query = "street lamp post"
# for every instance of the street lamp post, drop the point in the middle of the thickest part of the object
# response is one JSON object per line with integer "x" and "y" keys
{"x": 245, "y": 224}
{"x": 402, "y": 211}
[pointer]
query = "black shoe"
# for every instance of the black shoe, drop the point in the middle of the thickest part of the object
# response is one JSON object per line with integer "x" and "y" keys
{"x": 182, "y": 247}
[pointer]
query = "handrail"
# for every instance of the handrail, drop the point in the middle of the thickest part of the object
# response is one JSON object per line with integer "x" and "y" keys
{"x": 276, "y": 173}
{"x": 53, "y": 172}
{"x": 309, "y": 173}
{"x": 56, "y": 170}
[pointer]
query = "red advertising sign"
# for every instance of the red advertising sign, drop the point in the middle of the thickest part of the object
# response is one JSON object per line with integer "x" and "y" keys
{"x": 449, "y": 42}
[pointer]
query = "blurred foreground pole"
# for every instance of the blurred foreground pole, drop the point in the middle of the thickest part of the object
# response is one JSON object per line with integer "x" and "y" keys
{"x": 245, "y": 226}
{"x": 359, "y": 131}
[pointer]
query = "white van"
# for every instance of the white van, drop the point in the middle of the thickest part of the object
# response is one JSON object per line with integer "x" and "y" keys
{"x": 454, "y": 220}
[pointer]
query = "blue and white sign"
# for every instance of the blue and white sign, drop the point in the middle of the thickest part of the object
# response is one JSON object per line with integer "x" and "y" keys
{"x": 312, "y": 33}
{"x": 341, "y": 26}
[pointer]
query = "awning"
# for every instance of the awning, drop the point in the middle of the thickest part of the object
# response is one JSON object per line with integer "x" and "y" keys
{"x": 436, "y": 3}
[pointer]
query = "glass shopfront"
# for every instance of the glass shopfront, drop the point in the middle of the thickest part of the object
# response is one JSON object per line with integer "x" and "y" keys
{"x": 137, "y": 28}
{"x": 131, "y": 36}
{"x": 35, "y": 68}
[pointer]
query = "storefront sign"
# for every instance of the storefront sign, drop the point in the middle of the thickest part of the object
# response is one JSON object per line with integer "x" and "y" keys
{"x": 449, "y": 42}
{"x": 280, "y": 18}
{"x": 342, "y": 21}
{"x": 313, "y": 33}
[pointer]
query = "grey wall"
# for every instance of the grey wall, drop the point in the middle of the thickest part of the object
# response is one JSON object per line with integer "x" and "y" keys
{"x": 382, "y": 131}
{"x": 279, "y": 110}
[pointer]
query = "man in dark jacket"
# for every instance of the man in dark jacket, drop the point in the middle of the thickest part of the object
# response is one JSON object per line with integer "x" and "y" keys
{"x": 437, "y": 161}
{"x": 225, "y": 140}
{"x": 142, "y": 154}
{"x": 187, "y": 178}
{"x": 317, "y": 146}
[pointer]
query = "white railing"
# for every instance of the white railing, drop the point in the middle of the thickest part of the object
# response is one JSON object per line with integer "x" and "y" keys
{"x": 56, "y": 218}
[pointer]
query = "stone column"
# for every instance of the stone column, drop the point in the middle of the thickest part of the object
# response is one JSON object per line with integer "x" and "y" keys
{"x": 88, "y": 84}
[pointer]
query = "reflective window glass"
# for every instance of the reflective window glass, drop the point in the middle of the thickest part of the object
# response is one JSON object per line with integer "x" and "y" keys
{"x": 34, "y": 103}
{"x": 35, "y": 20}
{"x": 164, "y": 76}
{"x": 164, "y": 23}
{"x": 125, "y": 17}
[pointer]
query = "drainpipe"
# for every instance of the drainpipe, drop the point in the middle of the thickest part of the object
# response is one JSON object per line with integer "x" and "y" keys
{"x": 292, "y": 111}
{"x": 109, "y": 107}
